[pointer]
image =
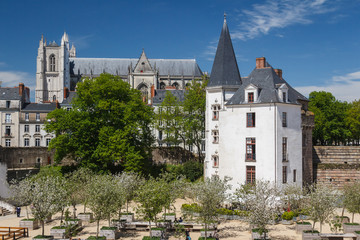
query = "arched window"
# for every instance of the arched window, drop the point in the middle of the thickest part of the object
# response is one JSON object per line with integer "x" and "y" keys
{"x": 162, "y": 85}
{"x": 144, "y": 92}
{"x": 54, "y": 98}
{"x": 176, "y": 85}
{"x": 52, "y": 63}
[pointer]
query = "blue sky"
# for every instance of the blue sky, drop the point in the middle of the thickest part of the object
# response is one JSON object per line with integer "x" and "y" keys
{"x": 315, "y": 42}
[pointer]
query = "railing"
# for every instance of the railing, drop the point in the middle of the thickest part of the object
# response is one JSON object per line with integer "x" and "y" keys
{"x": 13, "y": 232}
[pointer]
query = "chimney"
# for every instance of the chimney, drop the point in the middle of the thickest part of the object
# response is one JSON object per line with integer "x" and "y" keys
{"x": 260, "y": 62}
{"x": 66, "y": 90}
{"x": 21, "y": 89}
{"x": 152, "y": 91}
{"x": 28, "y": 91}
{"x": 278, "y": 72}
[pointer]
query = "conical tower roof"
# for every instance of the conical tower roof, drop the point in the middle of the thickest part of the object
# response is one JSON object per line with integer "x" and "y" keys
{"x": 225, "y": 71}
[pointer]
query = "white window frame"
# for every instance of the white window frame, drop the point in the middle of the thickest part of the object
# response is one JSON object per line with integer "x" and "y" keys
{"x": 26, "y": 142}
{"x": 37, "y": 142}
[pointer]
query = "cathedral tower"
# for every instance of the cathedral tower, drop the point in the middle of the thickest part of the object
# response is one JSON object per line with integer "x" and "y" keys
{"x": 53, "y": 70}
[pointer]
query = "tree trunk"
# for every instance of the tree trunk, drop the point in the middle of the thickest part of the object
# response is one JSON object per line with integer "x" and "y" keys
{"x": 97, "y": 228}
{"x": 352, "y": 219}
{"x": 74, "y": 211}
{"x": 127, "y": 206}
{"x": 313, "y": 226}
{"x": 320, "y": 226}
{"x": 119, "y": 214}
{"x": 61, "y": 217}
{"x": 84, "y": 207}
{"x": 27, "y": 212}
{"x": 43, "y": 227}
{"x": 205, "y": 231}
{"x": 150, "y": 228}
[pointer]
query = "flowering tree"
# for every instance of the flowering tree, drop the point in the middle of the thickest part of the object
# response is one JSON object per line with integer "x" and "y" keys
{"x": 19, "y": 193}
{"x": 130, "y": 182}
{"x": 102, "y": 200}
{"x": 119, "y": 191}
{"x": 262, "y": 202}
{"x": 292, "y": 195}
{"x": 321, "y": 203}
{"x": 210, "y": 195}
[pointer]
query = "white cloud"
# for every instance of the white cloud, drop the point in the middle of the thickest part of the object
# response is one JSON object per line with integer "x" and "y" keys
{"x": 277, "y": 14}
{"x": 344, "y": 88}
{"x": 12, "y": 79}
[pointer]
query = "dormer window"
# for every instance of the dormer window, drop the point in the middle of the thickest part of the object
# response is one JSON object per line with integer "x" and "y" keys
{"x": 215, "y": 110}
{"x": 283, "y": 92}
{"x": 250, "y": 97}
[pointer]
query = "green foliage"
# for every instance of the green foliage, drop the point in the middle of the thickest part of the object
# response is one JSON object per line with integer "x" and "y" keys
{"x": 193, "y": 207}
{"x": 352, "y": 224}
{"x": 208, "y": 238}
{"x": 192, "y": 170}
{"x": 353, "y": 120}
{"x": 330, "y": 115}
{"x": 96, "y": 238}
{"x": 352, "y": 197}
{"x": 225, "y": 211}
{"x": 288, "y": 215}
{"x": 311, "y": 231}
{"x": 303, "y": 223}
{"x": 108, "y": 125}
{"x": 150, "y": 238}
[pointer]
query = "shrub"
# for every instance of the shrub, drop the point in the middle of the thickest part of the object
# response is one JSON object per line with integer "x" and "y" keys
{"x": 191, "y": 207}
{"x": 303, "y": 223}
{"x": 150, "y": 238}
{"x": 96, "y": 238}
{"x": 241, "y": 213}
{"x": 224, "y": 211}
{"x": 43, "y": 236}
{"x": 258, "y": 230}
{"x": 108, "y": 228}
{"x": 208, "y": 238}
{"x": 288, "y": 215}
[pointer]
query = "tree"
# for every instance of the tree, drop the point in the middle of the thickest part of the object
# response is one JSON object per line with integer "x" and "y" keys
{"x": 321, "y": 203}
{"x": 119, "y": 192}
{"x": 330, "y": 127}
{"x": 210, "y": 194}
{"x": 352, "y": 198}
{"x": 108, "y": 125}
{"x": 353, "y": 121}
{"x": 130, "y": 183}
{"x": 152, "y": 199}
{"x": 102, "y": 200}
{"x": 262, "y": 202}
{"x": 292, "y": 195}
{"x": 19, "y": 193}
{"x": 194, "y": 106}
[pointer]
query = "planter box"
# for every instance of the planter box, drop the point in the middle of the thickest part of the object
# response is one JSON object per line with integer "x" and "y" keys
{"x": 287, "y": 222}
{"x": 310, "y": 236}
{"x": 350, "y": 228}
{"x": 29, "y": 224}
{"x": 345, "y": 219}
{"x": 166, "y": 224}
{"x": 58, "y": 232}
{"x": 77, "y": 222}
{"x": 357, "y": 235}
{"x": 256, "y": 235}
{"x": 208, "y": 233}
{"x": 86, "y": 217}
{"x": 127, "y": 217}
{"x": 119, "y": 224}
{"x": 44, "y": 238}
{"x": 109, "y": 234}
{"x": 302, "y": 227}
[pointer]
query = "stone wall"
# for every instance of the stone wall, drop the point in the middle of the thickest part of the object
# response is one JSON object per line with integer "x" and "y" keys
{"x": 336, "y": 165}
{"x": 172, "y": 155}
{"x": 307, "y": 125}
{"x": 25, "y": 157}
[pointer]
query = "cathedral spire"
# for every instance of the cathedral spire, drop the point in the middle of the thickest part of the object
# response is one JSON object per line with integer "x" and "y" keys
{"x": 225, "y": 71}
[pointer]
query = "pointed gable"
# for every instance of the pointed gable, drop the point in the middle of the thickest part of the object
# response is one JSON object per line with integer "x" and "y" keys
{"x": 143, "y": 65}
{"x": 225, "y": 71}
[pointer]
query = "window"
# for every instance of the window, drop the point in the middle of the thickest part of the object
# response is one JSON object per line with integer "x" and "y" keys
{"x": 7, "y": 104}
{"x": 7, "y": 130}
{"x": 52, "y": 63}
{"x": 37, "y": 142}
{"x": 284, "y": 174}
{"x": 26, "y": 142}
{"x": 21, "y": 160}
{"x": 215, "y": 134}
{"x": 203, "y": 146}
{"x": 284, "y": 97}
{"x": 8, "y": 118}
{"x": 250, "y": 174}
{"x": 160, "y": 135}
{"x": 294, "y": 175}
{"x": 284, "y": 150}
{"x": 37, "y": 116}
{"x": 38, "y": 160}
{"x": 190, "y": 147}
{"x": 48, "y": 141}
{"x": 8, "y": 142}
{"x": 250, "y": 97}
{"x": 216, "y": 109}
{"x": 215, "y": 159}
{"x": 250, "y": 149}
{"x": 250, "y": 120}
{"x": 37, "y": 128}
{"x": 54, "y": 98}
{"x": 26, "y": 128}
{"x": 284, "y": 119}
{"x": 26, "y": 116}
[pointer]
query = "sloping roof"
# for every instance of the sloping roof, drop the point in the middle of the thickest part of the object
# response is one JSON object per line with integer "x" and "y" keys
{"x": 225, "y": 70}
{"x": 267, "y": 81}
{"x": 69, "y": 98}
{"x": 39, "y": 107}
{"x": 9, "y": 93}
{"x": 160, "y": 95}
{"x": 119, "y": 66}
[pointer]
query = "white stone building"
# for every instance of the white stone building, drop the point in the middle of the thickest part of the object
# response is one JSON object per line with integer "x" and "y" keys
{"x": 254, "y": 123}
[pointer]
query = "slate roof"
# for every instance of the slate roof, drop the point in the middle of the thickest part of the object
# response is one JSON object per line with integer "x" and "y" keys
{"x": 160, "y": 95}
{"x": 267, "y": 81}
{"x": 39, "y": 107}
{"x": 69, "y": 98}
{"x": 119, "y": 66}
{"x": 225, "y": 70}
{"x": 9, "y": 93}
